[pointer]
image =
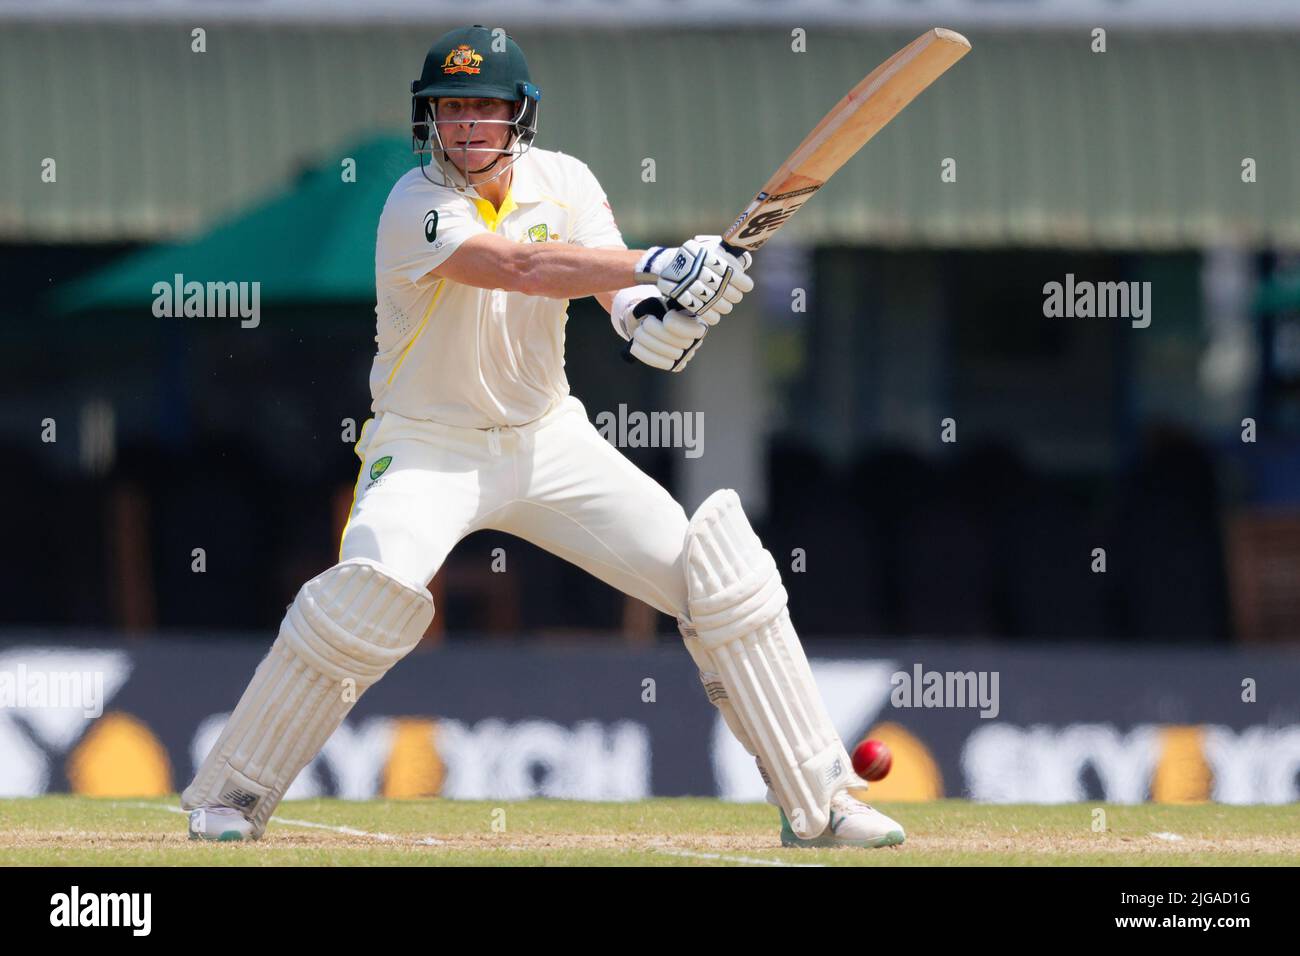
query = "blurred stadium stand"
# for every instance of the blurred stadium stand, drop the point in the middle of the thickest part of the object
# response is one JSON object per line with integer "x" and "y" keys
{"x": 924, "y": 303}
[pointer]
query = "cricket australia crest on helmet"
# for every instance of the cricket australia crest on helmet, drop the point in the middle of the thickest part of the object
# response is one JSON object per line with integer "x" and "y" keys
{"x": 462, "y": 59}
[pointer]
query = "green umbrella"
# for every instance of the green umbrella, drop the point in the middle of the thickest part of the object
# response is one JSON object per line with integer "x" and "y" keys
{"x": 1280, "y": 293}
{"x": 314, "y": 241}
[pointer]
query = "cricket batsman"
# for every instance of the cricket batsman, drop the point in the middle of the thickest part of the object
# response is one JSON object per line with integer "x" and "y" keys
{"x": 478, "y": 251}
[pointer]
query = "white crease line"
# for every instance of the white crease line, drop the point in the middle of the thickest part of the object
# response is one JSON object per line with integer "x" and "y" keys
{"x": 346, "y": 831}
{"x": 433, "y": 841}
{"x": 730, "y": 859}
{"x": 1171, "y": 837}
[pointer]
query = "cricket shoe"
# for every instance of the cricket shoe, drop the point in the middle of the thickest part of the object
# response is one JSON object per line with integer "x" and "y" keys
{"x": 853, "y": 823}
{"x": 222, "y": 824}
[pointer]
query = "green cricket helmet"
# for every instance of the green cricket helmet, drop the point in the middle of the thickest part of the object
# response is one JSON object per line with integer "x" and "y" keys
{"x": 473, "y": 62}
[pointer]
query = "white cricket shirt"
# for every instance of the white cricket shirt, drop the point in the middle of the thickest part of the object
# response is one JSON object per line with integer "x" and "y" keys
{"x": 474, "y": 357}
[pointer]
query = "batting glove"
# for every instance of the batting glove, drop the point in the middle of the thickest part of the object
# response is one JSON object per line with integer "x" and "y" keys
{"x": 699, "y": 277}
{"x": 665, "y": 339}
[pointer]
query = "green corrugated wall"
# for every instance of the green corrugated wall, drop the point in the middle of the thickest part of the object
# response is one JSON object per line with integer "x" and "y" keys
{"x": 1138, "y": 147}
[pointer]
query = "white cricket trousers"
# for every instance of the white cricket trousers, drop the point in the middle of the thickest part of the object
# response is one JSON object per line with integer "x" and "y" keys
{"x": 554, "y": 482}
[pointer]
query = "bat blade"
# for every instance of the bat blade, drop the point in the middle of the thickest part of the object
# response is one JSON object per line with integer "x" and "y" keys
{"x": 861, "y": 114}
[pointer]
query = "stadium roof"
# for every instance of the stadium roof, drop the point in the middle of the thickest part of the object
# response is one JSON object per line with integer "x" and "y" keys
{"x": 1138, "y": 147}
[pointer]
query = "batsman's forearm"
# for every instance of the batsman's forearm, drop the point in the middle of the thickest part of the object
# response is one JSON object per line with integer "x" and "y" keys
{"x": 560, "y": 270}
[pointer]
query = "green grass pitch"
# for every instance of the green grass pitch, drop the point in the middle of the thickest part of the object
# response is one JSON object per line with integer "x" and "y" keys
{"x": 83, "y": 831}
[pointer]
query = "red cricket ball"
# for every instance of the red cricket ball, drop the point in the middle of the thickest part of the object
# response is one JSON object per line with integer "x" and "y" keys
{"x": 872, "y": 760}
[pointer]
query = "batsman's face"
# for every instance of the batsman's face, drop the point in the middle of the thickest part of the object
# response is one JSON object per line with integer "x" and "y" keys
{"x": 474, "y": 131}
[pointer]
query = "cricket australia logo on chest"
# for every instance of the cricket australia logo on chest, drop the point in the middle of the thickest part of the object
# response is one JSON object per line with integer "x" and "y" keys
{"x": 539, "y": 232}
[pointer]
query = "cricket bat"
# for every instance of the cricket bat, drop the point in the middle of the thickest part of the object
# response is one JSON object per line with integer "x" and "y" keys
{"x": 860, "y": 115}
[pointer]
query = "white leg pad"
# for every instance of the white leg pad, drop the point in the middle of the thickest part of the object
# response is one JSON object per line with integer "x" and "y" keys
{"x": 738, "y": 614}
{"x": 345, "y": 629}
{"x": 717, "y": 693}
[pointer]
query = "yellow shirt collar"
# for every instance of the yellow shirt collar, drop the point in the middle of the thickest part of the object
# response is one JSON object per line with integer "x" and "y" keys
{"x": 493, "y": 216}
{"x": 523, "y": 189}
